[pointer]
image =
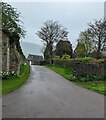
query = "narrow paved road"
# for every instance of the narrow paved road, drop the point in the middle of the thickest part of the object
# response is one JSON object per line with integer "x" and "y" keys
{"x": 48, "y": 95}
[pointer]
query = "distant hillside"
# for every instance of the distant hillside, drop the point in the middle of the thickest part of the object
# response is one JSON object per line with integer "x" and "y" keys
{"x": 31, "y": 48}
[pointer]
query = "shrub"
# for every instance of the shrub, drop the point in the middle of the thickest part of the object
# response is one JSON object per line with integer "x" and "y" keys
{"x": 6, "y": 75}
{"x": 85, "y": 59}
{"x": 63, "y": 62}
{"x": 65, "y": 56}
{"x": 72, "y": 62}
{"x": 95, "y": 61}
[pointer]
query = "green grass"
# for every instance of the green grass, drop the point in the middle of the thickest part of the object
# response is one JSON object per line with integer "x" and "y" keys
{"x": 15, "y": 82}
{"x": 66, "y": 73}
{"x": 0, "y": 87}
{"x": 95, "y": 85}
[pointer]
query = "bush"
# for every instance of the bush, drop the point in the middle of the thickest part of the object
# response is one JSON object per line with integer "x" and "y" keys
{"x": 85, "y": 59}
{"x": 95, "y": 61}
{"x": 72, "y": 62}
{"x": 7, "y": 75}
{"x": 63, "y": 62}
{"x": 66, "y": 57}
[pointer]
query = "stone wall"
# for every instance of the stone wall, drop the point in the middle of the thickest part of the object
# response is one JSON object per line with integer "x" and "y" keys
{"x": 10, "y": 58}
{"x": 13, "y": 60}
{"x": 88, "y": 69}
{"x": 5, "y": 52}
{"x": 0, "y": 51}
{"x": 79, "y": 68}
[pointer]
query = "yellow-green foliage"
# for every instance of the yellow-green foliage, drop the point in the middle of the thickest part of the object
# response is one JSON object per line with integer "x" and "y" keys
{"x": 86, "y": 59}
{"x": 80, "y": 49}
{"x": 66, "y": 61}
{"x": 65, "y": 56}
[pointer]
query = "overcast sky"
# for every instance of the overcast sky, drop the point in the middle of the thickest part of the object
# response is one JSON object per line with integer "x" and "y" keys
{"x": 73, "y": 16}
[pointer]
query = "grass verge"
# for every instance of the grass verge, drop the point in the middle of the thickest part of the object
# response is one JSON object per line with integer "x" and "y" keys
{"x": 15, "y": 82}
{"x": 95, "y": 85}
{"x": 66, "y": 73}
{"x": 0, "y": 87}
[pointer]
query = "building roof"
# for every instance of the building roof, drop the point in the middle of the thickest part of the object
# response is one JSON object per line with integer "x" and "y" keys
{"x": 35, "y": 57}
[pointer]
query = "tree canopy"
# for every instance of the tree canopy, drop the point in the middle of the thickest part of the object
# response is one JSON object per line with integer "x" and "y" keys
{"x": 64, "y": 47}
{"x": 92, "y": 39}
{"x": 50, "y": 33}
{"x": 87, "y": 40}
{"x": 98, "y": 32}
{"x": 80, "y": 49}
{"x": 11, "y": 23}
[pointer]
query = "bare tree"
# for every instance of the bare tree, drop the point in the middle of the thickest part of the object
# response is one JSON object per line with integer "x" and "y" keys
{"x": 51, "y": 33}
{"x": 98, "y": 32}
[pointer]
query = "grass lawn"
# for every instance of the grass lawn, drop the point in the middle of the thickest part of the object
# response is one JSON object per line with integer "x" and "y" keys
{"x": 95, "y": 85}
{"x": 15, "y": 82}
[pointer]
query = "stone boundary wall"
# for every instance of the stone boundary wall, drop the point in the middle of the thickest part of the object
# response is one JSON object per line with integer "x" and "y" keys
{"x": 88, "y": 69}
{"x": 10, "y": 58}
{"x": 0, "y": 51}
{"x": 5, "y": 52}
{"x": 79, "y": 68}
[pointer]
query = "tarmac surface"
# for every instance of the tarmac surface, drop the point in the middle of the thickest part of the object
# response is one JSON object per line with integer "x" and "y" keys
{"x": 48, "y": 95}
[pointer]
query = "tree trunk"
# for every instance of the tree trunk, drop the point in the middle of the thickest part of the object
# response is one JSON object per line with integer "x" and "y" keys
{"x": 99, "y": 48}
{"x": 51, "y": 54}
